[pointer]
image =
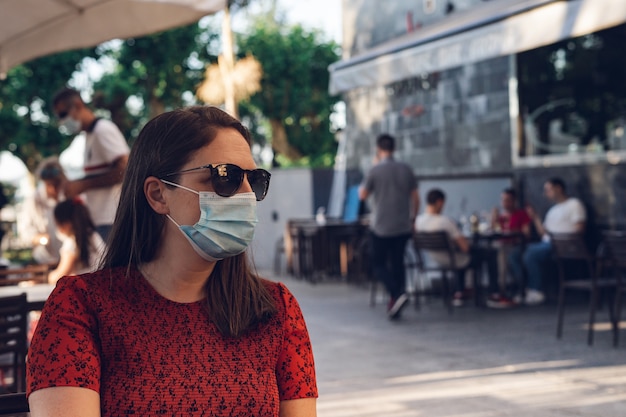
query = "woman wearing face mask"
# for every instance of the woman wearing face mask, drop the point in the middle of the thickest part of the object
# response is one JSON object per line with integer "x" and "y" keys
{"x": 176, "y": 323}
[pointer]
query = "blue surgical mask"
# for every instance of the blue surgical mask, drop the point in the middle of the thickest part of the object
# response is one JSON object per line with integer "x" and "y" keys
{"x": 226, "y": 225}
{"x": 72, "y": 125}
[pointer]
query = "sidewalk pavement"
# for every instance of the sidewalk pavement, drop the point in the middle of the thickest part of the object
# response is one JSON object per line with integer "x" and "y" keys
{"x": 474, "y": 363}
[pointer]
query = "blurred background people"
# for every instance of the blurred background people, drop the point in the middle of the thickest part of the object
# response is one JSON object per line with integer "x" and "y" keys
{"x": 567, "y": 215}
{"x": 466, "y": 256}
{"x": 511, "y": 219}
{"x": 392, "y": 187}
{"x": 106, "y": 156}
{"x": 82, "y": 246}
{"x": 49, "y": 193}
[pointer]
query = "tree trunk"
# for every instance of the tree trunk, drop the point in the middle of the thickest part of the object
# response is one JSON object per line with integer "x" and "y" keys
{"x": 280, "y": 143}
{"x": 226, "y": 62}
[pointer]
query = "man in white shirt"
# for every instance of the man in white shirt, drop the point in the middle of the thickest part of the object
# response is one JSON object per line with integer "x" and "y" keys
{"x": 466, "y": 256}
{"x": 106, "y": 155}
{"x": 568, "y": 215}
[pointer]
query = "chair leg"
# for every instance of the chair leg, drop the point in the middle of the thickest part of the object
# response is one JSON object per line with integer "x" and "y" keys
{"x": 617, "y": 307}
{"x": 561, "y": 302}
{"x": 592, "y": 315}
{"x": 373, "y": 292}
{"x": 445, "y": 291}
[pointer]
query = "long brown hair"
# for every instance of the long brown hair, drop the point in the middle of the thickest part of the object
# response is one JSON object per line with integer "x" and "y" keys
{"x": 236, "y": 298}
{"x": 76, "y": 213}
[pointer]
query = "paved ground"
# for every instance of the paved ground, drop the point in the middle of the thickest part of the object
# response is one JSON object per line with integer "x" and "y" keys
{"x": 474, "y": 363}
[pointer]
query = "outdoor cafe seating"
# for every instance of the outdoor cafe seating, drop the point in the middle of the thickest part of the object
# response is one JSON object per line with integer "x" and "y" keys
{"x": 22, "y": 289}
{"x": 14, "y": 405}
{"x": 13, "y": 342}
{"x": 571, "y": 249}
{"x": 614, "y": 246}
{"x": 36, "y": 274}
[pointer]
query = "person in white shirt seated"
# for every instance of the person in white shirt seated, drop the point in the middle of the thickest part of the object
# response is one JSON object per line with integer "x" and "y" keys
{"x": 567, "y": 215}
{"x": 466, "y": 256}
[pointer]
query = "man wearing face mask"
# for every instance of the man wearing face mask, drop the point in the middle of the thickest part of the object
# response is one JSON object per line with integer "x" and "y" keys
{"x": 106, "y": 156}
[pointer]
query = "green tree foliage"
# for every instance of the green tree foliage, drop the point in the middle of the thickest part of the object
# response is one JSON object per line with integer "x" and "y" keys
{"x": 27, "y": 125}
{"x": 294, "y": 90}
{"x": 154, "y": 69}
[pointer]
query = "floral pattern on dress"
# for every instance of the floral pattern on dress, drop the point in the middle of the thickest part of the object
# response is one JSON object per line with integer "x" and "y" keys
{"x": 147, "y": 355}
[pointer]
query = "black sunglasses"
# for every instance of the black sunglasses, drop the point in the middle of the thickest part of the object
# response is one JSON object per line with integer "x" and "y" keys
{"x": 226, "y": 179}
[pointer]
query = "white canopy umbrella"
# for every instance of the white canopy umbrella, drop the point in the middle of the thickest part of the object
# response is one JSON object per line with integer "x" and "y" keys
{"x": 33, "y": 28}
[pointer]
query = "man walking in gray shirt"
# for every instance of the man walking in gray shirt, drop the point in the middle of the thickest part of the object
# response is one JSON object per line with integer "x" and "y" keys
{"x": 392, "y": 187}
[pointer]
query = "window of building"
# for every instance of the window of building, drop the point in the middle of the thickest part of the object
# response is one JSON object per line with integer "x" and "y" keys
{"x": 572, "y": 99}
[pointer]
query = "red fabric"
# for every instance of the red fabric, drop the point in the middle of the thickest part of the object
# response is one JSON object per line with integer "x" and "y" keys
{"x": 515, "y": 221}
{"x": 147, "y": 355}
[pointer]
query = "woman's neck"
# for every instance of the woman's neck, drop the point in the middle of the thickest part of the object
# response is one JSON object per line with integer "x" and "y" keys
{"x": 177, "y": 281}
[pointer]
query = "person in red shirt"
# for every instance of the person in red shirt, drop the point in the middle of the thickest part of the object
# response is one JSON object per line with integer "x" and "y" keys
{"x": 509, "y": 219}
{"x": 176, "y": 322}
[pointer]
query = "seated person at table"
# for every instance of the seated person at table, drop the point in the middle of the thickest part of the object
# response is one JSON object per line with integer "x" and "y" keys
{"x": 82, "y": 246}
{"x": 511, "y": 218}
{"x": 466, "y": 256}
{"x": 567, "y": 215}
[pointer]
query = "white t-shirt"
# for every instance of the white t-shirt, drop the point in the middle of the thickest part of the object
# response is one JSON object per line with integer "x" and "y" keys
{"x": 103, "y": 145}
{"x": 96, "y": 249}
{"x": 563, "y": 217}
{"x": 428, "y": 222}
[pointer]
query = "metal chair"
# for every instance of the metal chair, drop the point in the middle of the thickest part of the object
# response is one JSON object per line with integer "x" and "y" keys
{"x": 15, "y": 405}
{"x": 13, "y": 342}
{"x": 438, "y": 242}
{"x": 614, "y": 245}
{"x": 569, "y": 247}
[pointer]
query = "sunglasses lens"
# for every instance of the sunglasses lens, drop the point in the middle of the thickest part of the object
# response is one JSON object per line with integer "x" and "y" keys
{"x": 226, "y": 179}
{"x": 259, "y": 180}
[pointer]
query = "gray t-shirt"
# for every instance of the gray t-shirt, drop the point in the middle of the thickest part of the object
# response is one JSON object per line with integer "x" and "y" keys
{"x": 390, "y": 184}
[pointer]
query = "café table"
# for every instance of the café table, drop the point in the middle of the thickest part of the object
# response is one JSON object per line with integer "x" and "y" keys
{"x": 36, "y": 295}
{"x": 501, "y": 241}
{"x": 317, "y": 250}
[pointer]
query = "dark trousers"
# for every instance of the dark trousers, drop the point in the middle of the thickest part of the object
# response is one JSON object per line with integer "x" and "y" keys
{"x": 388, "y": 262}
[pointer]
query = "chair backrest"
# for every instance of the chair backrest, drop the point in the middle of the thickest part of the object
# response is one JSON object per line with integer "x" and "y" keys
{"x": 570, "y": 246}
{"x": 10, "y": 404}
{"x": 438, "y": 241}
{"x": 35, "y": 273}
{"x": 13, "y": 342}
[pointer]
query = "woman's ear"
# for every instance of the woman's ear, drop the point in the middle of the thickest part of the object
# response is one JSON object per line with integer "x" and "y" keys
{"x": 153, "y": 189}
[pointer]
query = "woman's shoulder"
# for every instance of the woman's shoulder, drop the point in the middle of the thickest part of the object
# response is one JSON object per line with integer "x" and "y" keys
{"x": 276, "y": 289}
{"x": 284, "y": 298}
{"x": 95, "y": 284}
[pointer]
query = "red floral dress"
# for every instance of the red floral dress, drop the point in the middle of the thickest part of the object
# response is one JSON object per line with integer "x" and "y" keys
{"x": 146, "y": 355}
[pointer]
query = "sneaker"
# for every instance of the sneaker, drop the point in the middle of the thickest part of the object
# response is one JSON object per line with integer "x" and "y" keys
{"x": 534, "y": 297}
{"x": 459, "y": 297}
{"x": 396, "y": 308}
{"x": 500, "y": 301}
